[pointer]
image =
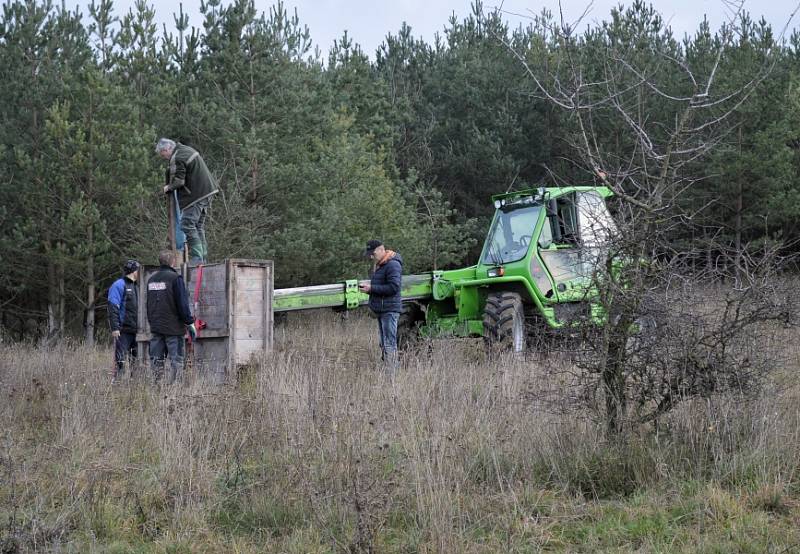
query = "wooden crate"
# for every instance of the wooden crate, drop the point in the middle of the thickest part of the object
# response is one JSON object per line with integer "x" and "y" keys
{"x": 235, "y": 302}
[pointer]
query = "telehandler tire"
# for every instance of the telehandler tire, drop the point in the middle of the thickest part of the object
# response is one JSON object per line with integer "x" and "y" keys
{"x": 504, "y": 322}
{"x": 408, "y": 326}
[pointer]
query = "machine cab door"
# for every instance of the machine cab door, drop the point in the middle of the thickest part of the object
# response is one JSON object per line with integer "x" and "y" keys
{"x": 597, "y": 228}
{"x": 559, "y": 244}
{"x": 575, "y": 241}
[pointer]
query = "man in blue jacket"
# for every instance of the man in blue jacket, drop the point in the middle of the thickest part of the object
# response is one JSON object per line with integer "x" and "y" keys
{"x": 123, "y": 316}
{"x": 384, "y": 298}
{"x": 169, "y": 316}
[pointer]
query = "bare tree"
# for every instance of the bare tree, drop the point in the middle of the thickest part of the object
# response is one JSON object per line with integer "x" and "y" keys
{"x": 644, "y": 113}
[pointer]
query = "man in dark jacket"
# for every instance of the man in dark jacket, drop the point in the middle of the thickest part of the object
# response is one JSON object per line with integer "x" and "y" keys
{"x": 169, "y": 316}
{"x": 123, "y": 316}
{"x": 384, "y": 298}
{"x": 188, "y": 176}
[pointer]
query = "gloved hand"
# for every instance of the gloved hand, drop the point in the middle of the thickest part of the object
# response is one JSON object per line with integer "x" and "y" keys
{"x": 192, "y": 331}
{"x": 115, "y": 334}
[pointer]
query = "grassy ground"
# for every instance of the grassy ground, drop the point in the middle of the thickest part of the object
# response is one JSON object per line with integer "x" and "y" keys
{"x": 315, "y": 451}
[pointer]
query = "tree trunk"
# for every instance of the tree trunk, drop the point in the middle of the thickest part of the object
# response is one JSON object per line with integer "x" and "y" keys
{"x": 90, "y": 295}
{"x": 613, "y": 376}
{"x": 56, "y": 306}
{"x": 90, "y": 292}
{"x": 709, "y": 254}
{"x": 739, "y": 209}
{"x": 62, "y": 302}
{"x": 52, "y": 290}
{"x": 254, "y": 160}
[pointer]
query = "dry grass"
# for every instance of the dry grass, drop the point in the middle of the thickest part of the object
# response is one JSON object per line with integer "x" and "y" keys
{"x": 316, "y": 451}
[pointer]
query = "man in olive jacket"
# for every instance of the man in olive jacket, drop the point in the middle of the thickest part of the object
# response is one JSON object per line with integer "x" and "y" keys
{"x": 188, "y": 175}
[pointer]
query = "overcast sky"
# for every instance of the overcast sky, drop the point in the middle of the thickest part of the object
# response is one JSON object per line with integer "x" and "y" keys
{"x": 369, "y": 21}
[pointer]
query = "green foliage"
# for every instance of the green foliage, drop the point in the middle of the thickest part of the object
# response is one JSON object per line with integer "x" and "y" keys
{"x": 442, "y": 237}
{"x": 348, "y": 193}
{"x": 315, "y": 154}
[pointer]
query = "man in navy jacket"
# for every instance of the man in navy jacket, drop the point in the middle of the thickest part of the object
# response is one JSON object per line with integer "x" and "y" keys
{"x": 123, "y": 316}
{"x": 384, "y": 298}
{"x": 169, "y": 316}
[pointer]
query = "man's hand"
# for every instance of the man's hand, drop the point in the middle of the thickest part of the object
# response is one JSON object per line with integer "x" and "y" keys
{"x": 365, "y": 287}
{"x": 193, "y": 332}
{"x": 166, "y": 189}
{"x": 115, "y": 334}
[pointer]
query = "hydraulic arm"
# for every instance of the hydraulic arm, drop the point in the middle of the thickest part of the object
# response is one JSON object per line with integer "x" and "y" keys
{"x": 345, "y": 295}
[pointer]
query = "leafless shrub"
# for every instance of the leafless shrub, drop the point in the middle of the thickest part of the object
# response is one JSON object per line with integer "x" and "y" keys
{"x": 317, "y": 448}
{"x": 654, "y": 344}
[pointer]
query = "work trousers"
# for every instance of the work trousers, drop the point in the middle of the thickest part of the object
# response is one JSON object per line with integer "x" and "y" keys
{"x": 193, "y": 225}
{"x": 124, "y": 351}
{"x": 387, "y": 330}
{"x": 161, "y": 347}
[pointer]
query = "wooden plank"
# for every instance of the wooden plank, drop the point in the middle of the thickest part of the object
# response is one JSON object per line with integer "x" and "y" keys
{"x": 253, "y": 319}
{"x": 231, "y": 288}
{"x": 213, "y": 276}
{"x": 214, "y": 316}
{"x": 250, "y": 270}
{"x": 249, "y": 303}
{"x": 246, "y": 349}
{"x": 210, "y": 295}
{"x": 211, "y": 357}
{"x": 213, "y": 333}
{"x": 211, "y": 300}
{"x": 213, "y": 311}
{"x": 249, "y": 327}
{"x": 248, "y": 284}
{"x": 267, "y": 309}
{"x": 142, "y": 351}
{"x": 250, "y": 278}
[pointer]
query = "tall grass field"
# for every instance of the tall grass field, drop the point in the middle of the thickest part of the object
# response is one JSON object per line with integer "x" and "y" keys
{"x": 315, "y": 450}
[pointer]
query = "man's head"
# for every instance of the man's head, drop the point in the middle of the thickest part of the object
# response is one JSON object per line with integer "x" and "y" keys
{"x": 167, "y": 258}
{"x": 131, "y": 269}
{"x": 165, "y": 147}
{"x": 375, "y": 250}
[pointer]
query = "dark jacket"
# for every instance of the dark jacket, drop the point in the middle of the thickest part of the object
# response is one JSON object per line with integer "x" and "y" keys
{"x": 123, "y": 306}
{"x": 167, "y": 303}
{"x": 384, "y": 295}
{"x": 187, "y": 173}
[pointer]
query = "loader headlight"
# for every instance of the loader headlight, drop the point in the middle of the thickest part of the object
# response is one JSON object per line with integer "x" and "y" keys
{"x": 496, "y": 272}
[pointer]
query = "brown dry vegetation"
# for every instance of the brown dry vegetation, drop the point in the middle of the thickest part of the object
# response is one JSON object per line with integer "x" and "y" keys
{"x": 315, "y": 451}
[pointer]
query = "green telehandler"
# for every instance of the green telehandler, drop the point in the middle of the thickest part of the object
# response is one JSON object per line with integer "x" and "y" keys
{"x": 535, "y": 270}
